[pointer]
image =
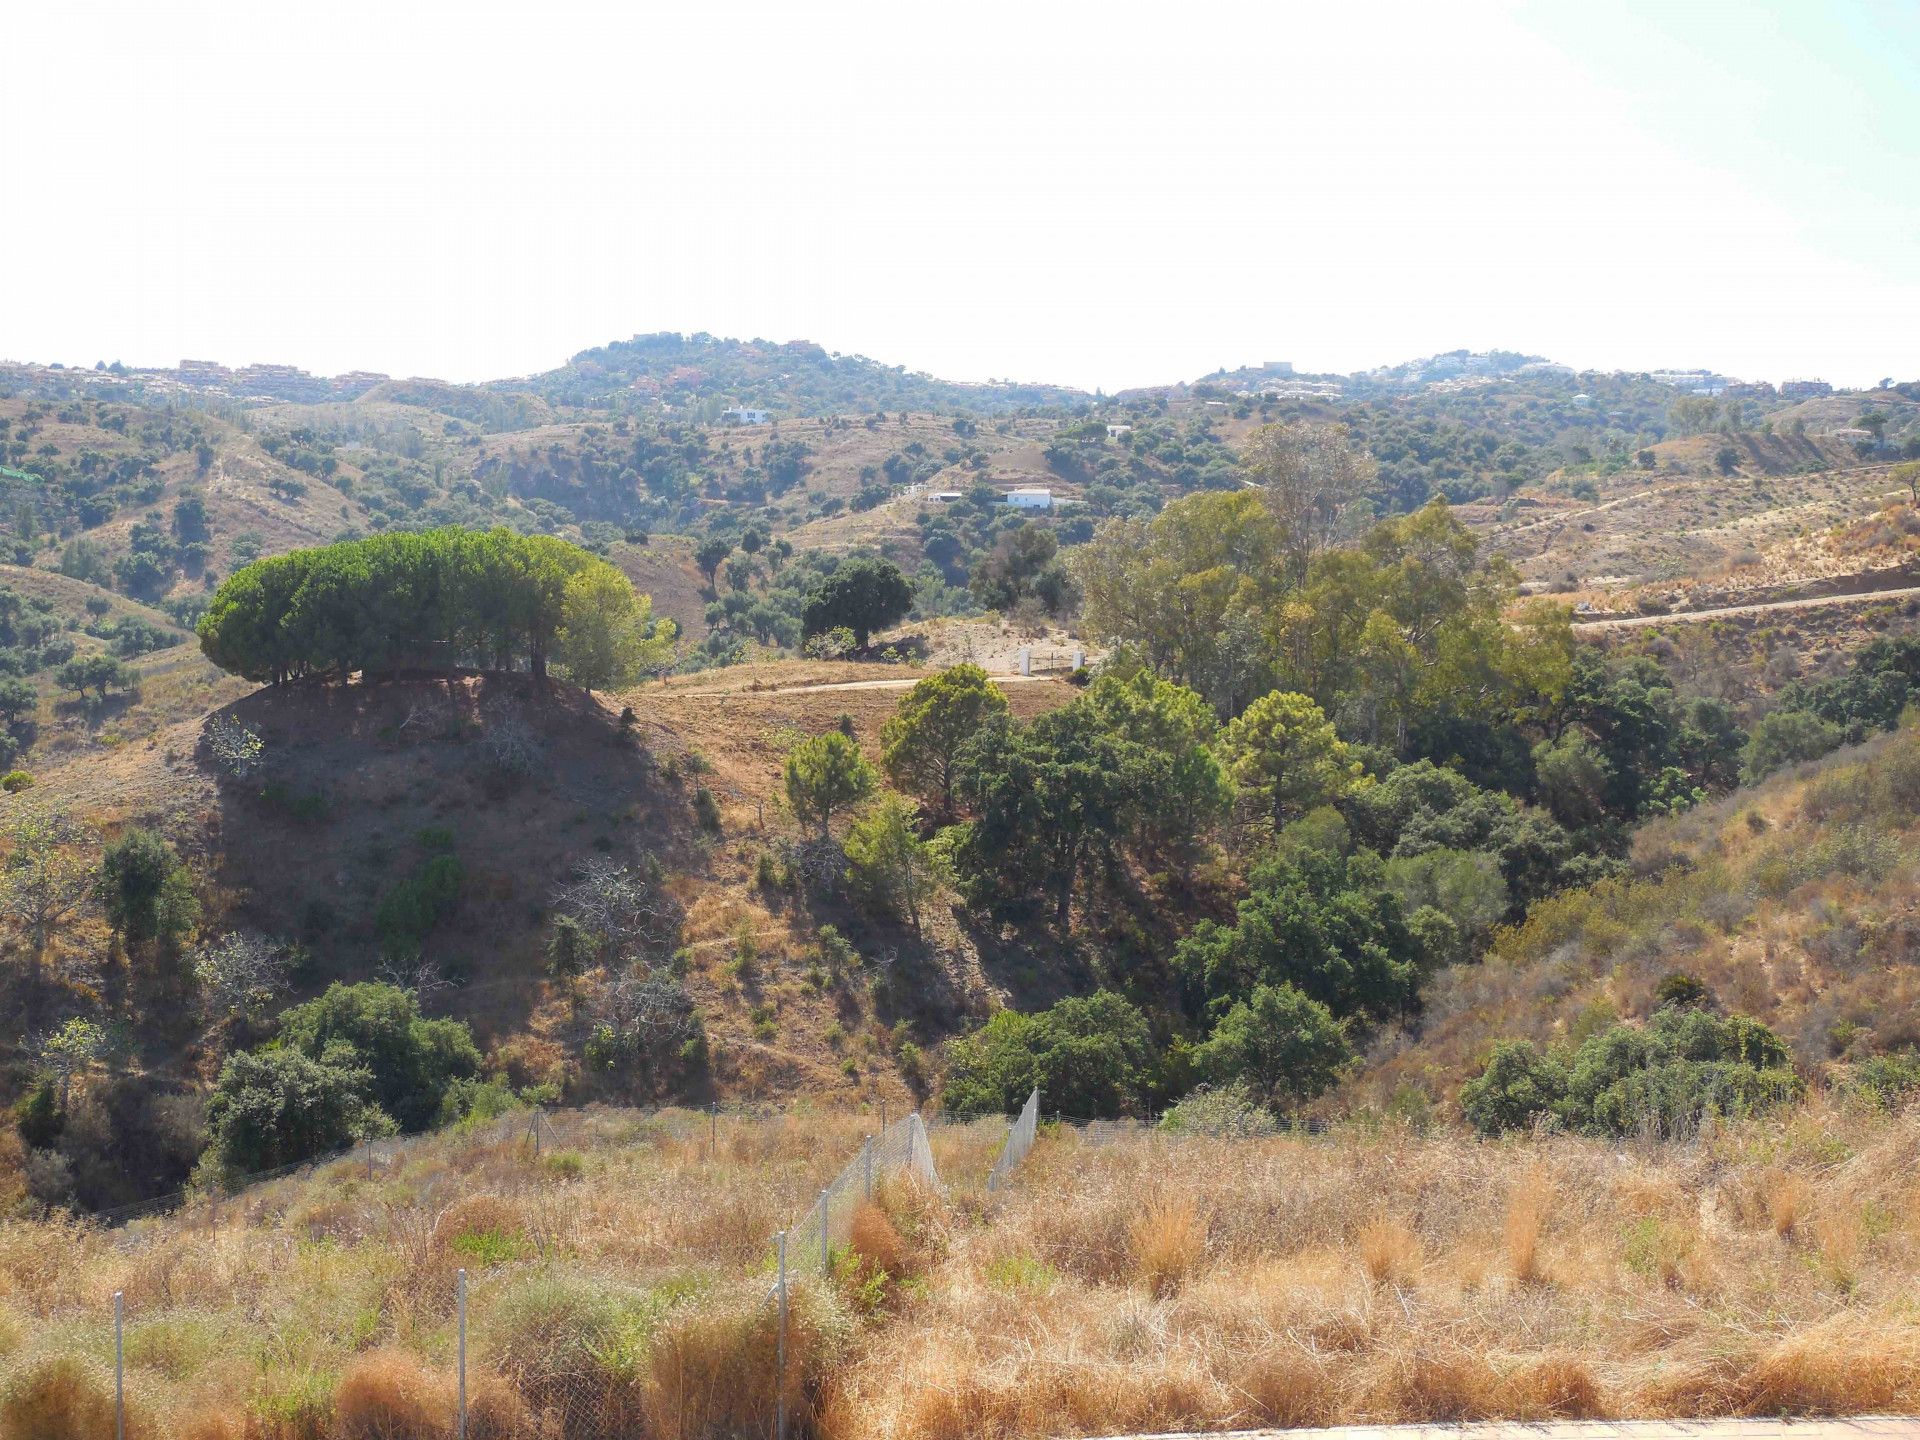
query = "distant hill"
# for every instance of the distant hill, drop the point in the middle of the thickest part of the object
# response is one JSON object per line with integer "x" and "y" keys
{"x": 797, "y": 377}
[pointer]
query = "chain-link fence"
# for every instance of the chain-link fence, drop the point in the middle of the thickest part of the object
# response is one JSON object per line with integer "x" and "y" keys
{"x": 1019, "y": 1141}
{"x": 552, "y": 1355}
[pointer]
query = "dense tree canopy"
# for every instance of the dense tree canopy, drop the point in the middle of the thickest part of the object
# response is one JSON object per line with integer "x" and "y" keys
{"x": 433, "y": 600}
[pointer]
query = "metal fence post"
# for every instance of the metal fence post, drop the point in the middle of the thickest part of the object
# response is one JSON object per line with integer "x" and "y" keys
{"x": 369, "y": 1158}
{"x": 780, "y": 1367}
{"x": 825, "y": 1264}
{"x": 119, "y": 1366}
{"x": 713, "y": 1132}
{"x": 460, "y": 1300}
{"x": 866, "y": 1162}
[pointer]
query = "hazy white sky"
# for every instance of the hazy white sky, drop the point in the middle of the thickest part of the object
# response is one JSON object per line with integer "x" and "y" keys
{"x": 1096, "y": 194}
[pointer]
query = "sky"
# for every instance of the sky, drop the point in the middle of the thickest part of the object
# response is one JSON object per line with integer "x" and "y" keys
{"x": 1103, "y": 195}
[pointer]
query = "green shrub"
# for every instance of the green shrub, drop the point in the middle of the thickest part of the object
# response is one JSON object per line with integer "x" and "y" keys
{"x": 1888, "y": 1080}
{"x": 410, "y": 910}
{"x": 1229, "y": 1110}
{"x": 1660, "y": 1079}
{"x": 1517, "y": 1086}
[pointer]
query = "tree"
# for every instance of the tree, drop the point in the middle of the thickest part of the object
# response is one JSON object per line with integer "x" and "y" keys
{"x": 423, "y": 600}
{"x": 888, "y": 862}
{"x": 1309, "y": 475}
{"x": 101, "y": 672}
{"x": 45, "y": 877}
{"x": 922, "y": 740}
{"x": 1088, "y": 1055}
{"x": 71, "y": 1050}
{"x": 1909, "y": 476}
{"x": 826, "y": 775}
{"x": 146, "y": 890}
{"x": 411, "y": 1060}
{"x": 1285, "y": 758}
{"x": 863, "y": 595}
{"x": 711, "y": 554}
{"x": 608, "y": 636}
{"x": 1787, "y": 737}
{"x": 17, "y": 698}
{"x": 1325, "y": 923}
{"x": 242, "y": 973}
{"x": 1050, "y": 799}
{"x": 278, "y": 1107}
{"x": 1516, "y": 1086}
{"x": 1186, "y": 787}
{"x": 1283, "y": 1046}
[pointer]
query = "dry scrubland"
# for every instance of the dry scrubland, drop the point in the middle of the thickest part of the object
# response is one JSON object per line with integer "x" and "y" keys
{"x": 1794, "y": 902}
{"x": 1155, "y": 1283}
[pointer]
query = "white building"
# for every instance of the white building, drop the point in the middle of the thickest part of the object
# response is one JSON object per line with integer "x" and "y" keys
{"x": 741, "y": 415}
{"x": 1038, "y": 497}
{"x": 1119, "y": 432}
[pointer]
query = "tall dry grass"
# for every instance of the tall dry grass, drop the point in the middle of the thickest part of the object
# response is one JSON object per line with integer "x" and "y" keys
{"x": 1148, "y": 1283}
{"x": 1385, "y": 1277}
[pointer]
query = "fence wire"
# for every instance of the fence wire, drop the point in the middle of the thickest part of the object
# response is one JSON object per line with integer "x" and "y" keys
{"x": 901, "y": 1148}
{"x": 1019, "y": 1141}
{"x": 582, "y": 1386}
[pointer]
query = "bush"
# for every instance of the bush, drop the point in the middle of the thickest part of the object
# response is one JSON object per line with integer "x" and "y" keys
{"x": 1661, "y": 1079}
{"x": 1787, "y": 737}
{"x": 1888, "y": 1080}
{"x": 277, "y": 1107}
{"x": 1279, "y": 1044}
{"x": 58, "y": 1397}
{"x": 14, "y": 781}
{"x": 412, "y": 908}
{"x": 1516, "y": 1087}
{"x": 412, "y": 1061}
{"x": 147, "y": 892}
{"x": 388, "y": 1394}
{"x": 1228, "y": 1110}
{"x": 1088, "y": 1055}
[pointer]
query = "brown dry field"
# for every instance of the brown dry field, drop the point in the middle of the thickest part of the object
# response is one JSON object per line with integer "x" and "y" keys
{"x": 1147, "y": 1283}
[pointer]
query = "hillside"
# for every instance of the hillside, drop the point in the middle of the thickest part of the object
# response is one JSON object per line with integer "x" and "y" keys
{"x": 1793, "y": 902}
{"x": 361, "y": 788}
{"x": 796, "y": 377}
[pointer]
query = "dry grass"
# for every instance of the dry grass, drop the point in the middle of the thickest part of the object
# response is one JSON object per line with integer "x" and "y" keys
{"x": 1142, "y": 1284}
{"x": 1390, "y": 1252}
{"x": 1526, "y": 1216}
{"x": 1166, "y": 1241}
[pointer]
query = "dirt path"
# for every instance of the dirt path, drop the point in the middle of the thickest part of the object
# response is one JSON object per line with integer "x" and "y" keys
{"x": 1688, "y": 617}
{"x": 844, "y": 685}
{"x": 1865, "y": 1428}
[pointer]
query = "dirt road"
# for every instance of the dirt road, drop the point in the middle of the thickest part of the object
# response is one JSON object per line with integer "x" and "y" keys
{"x": 1688, "y": 617}
{"x": 846, "y": 685}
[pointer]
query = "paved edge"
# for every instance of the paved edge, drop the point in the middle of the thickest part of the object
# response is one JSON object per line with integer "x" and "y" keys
{"x": 1861, "y": 1427}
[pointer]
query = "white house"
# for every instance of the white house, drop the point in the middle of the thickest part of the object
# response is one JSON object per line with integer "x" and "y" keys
{"x": 1119, "y": 432}
{"x": 742, "y": 415}
{"x": 946, "y": 497}
{"x": 1038, "y": 497}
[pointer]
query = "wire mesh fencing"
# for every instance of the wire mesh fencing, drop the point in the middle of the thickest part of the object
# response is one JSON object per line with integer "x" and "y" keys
{"x": 1019, "y": 1141}
{"x": 518, "y": 1348}
{"x": 900, "y": 1149}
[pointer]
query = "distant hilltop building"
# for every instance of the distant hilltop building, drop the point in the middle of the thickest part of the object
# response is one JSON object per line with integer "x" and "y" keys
{"x": 1694, "y": 382}
{"x": 1037, "y": 497}
{"x": 744, "y": 415}
{"x": 1277, "y": 367}
{"x": 1302, "y": 390}
{"x": 203, "y": 372}
{"x": 1804, "y": 389}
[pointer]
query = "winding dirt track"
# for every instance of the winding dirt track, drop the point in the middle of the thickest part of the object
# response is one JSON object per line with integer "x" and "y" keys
{"x": 1688, "y": 617}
